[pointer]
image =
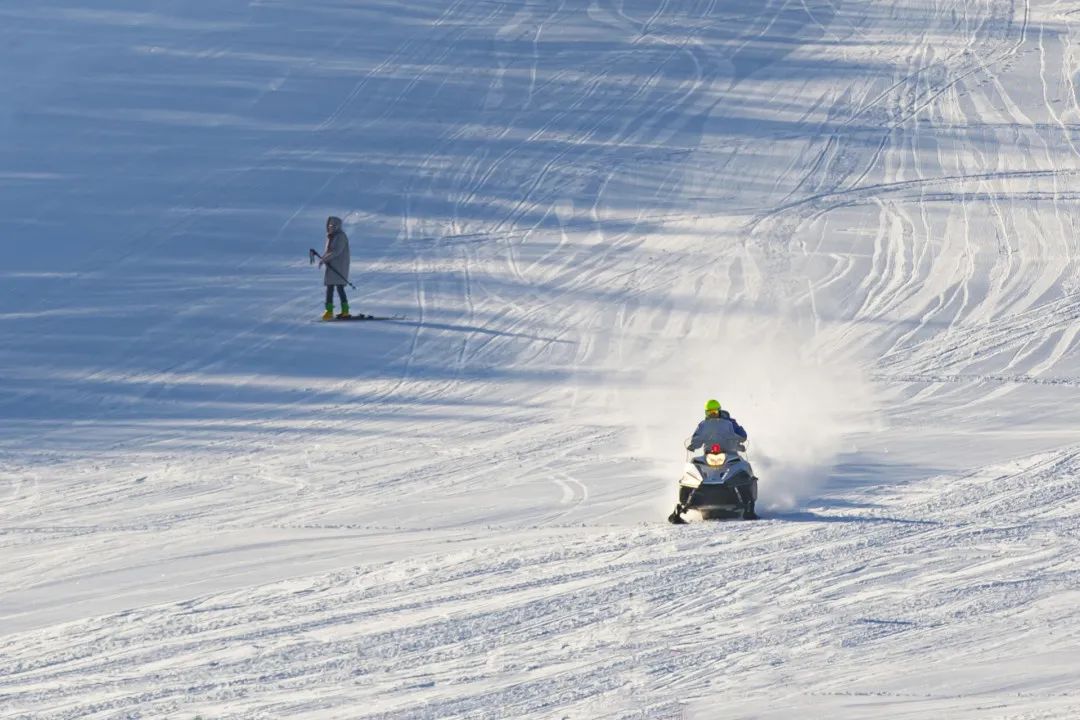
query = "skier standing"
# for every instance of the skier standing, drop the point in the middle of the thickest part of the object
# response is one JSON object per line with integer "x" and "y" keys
{"x": 336, "y": 260}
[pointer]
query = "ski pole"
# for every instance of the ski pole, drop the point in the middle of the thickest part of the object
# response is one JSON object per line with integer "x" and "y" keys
{"x": 311, "y": 259}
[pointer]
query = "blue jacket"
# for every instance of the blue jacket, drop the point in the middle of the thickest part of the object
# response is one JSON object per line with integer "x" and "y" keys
{"x": 724, "y": 431}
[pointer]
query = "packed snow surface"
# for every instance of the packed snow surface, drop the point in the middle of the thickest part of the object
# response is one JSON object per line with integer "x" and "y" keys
{"x": 854, "y": 223}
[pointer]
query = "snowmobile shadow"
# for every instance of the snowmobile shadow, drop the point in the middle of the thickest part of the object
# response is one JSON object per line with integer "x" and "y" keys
{"x": 474, "y": 329}
{"x": 807, "y": 516}
{"x": 837, "y": 504}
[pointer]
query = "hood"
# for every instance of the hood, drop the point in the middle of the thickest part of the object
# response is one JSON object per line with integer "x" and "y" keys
{"x": 333, "y": 224}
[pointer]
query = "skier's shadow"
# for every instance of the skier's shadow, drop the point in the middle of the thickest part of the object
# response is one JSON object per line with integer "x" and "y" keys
{"x": 479, "y": 330}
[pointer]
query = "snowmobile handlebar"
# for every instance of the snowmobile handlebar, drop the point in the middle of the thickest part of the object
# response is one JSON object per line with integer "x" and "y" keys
{"x": 691, "y": 453}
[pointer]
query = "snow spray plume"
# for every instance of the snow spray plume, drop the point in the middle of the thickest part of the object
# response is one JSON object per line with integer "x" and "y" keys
{"x": 797, "y": 406}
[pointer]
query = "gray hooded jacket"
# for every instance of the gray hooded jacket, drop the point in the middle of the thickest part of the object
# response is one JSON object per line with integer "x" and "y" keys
{"x": 336, "y": 254}
{"x": 721, "y": 431}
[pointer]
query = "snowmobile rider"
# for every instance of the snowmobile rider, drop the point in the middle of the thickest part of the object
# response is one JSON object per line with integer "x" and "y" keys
{"x": 718, "y": 428}
{"x": 336, "y": 260}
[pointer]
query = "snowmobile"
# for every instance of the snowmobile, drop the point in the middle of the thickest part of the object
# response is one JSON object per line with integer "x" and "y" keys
{"x": 719, "y": 485}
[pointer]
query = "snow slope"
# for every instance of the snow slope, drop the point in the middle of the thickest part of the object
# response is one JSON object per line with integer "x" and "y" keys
{"x": 852, "y": 222}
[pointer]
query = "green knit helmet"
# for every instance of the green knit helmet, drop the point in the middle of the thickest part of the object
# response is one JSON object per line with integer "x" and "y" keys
{"x": 712, "y": 407}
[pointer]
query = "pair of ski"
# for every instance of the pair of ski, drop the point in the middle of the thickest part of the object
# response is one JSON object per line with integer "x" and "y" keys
{"x": 352, "y": 318}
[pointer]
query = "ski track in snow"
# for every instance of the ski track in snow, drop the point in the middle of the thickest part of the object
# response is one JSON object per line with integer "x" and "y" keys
{"x": 211, "y": 505}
